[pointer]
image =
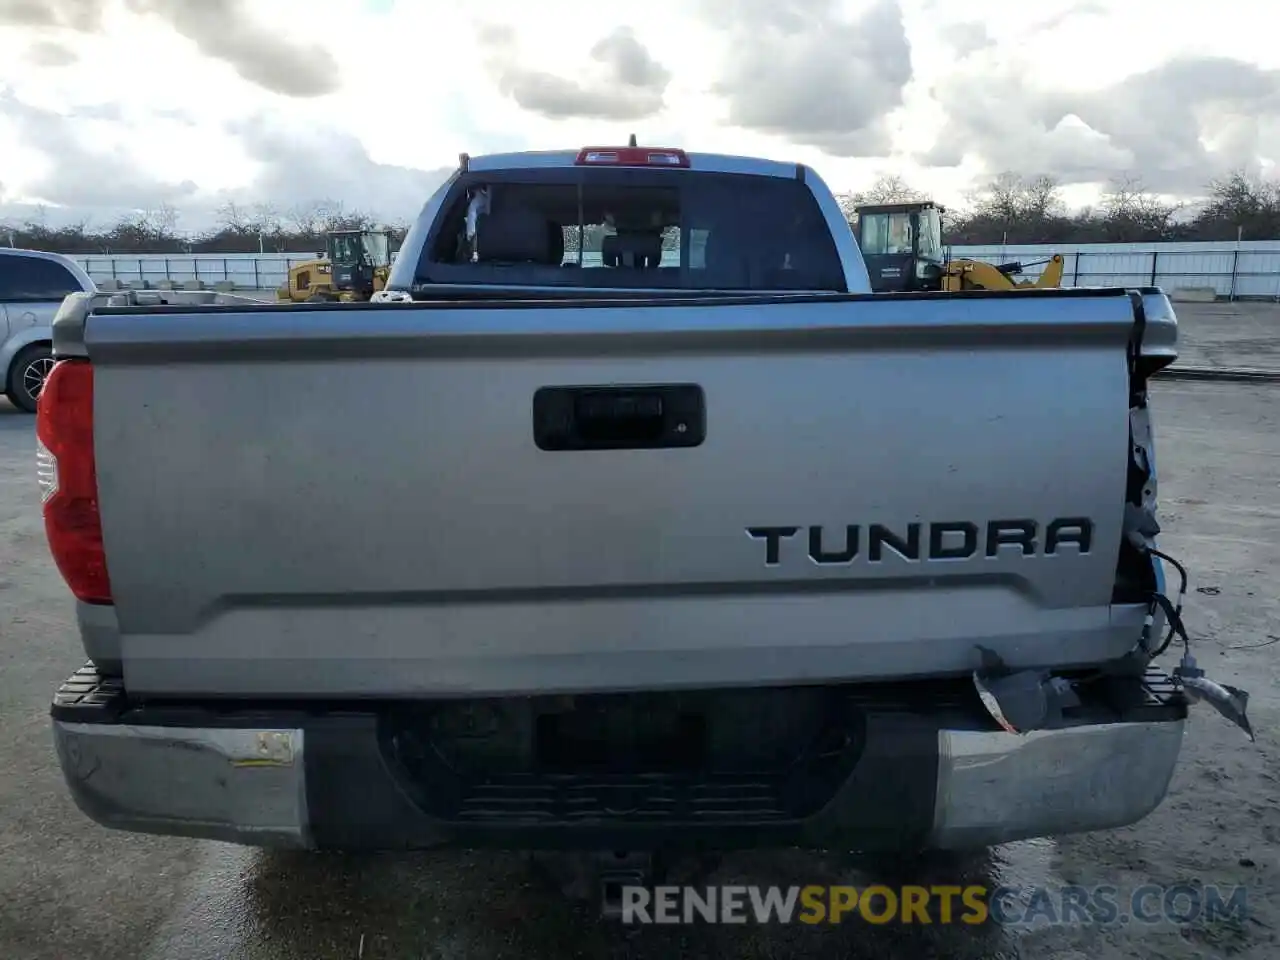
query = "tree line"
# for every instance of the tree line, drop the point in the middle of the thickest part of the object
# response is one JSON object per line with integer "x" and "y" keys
{"x": 1010, "y": 208}
{"x": 238, "y": 228}
{"x": 1017, "y": 209}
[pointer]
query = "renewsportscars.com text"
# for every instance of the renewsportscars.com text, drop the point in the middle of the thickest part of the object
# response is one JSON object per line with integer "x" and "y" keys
{"x": 1179, "y": 904}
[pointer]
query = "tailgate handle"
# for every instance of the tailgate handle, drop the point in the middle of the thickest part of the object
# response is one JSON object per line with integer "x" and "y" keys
{"x": 599, "y": 410}
{"x": 640, "y": 417}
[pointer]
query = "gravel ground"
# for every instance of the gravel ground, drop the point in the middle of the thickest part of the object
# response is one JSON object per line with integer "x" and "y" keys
{"x": 1229, "y": 335}
{"x": 71, "y": 890}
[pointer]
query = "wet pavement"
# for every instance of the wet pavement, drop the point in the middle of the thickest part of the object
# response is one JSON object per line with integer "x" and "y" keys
{"x": 69, "y": 889}
{"x": 1229, "y": 335}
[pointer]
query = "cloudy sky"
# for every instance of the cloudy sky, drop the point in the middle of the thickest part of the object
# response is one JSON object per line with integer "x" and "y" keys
{"x": 110, "y": 105}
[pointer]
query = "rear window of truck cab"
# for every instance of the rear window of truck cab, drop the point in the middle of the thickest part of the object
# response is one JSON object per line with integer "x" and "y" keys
{"x": 629, "y": 228}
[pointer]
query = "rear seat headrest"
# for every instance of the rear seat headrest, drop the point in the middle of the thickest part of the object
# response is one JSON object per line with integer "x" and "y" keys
{"x": 555, "y": 237}
{"x": 632, "y": 250}
{"x": 515, "y": 234}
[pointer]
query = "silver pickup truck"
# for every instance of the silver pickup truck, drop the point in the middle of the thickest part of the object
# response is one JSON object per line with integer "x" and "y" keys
{"x": 628, "y": 519}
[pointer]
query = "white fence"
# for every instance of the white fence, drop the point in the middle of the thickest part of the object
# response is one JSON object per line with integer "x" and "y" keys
{"x": 248, "y": 271}
{"x": 1246, "y": 270}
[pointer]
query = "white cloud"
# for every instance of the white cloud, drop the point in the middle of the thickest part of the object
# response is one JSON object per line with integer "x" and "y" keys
{"x": 116, "y": 103}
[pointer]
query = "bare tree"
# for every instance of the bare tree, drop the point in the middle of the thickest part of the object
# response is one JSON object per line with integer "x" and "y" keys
{"x": 160, "y": 221}
{"x": 889, "y": 188}
{"x": 1041, "y": 197}
{"x": 1000, "y": 199}
{"x": 1130, "y": 212}
{"x": 1242, "y": 205}
{"x": 1015, "y": 209}
{"x": 234, "y": 217}
{"x": 304, "y": 218}
{"x": 333, "y": 215}
{"x": 264, "y": 218}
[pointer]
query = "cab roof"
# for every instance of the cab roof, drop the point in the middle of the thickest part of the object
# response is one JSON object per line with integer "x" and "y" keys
{"x": 568, "y": 159}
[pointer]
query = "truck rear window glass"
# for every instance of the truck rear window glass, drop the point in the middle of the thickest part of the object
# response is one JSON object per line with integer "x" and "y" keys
{"x": 635, "y": 229}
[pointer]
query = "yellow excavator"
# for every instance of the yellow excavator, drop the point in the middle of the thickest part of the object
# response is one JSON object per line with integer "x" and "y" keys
{"x": 901, "y": 244}
{"x": 355, "y": 267}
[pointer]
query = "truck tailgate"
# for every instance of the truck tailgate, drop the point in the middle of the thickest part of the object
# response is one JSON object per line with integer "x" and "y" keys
{"x": 349, "y": 501}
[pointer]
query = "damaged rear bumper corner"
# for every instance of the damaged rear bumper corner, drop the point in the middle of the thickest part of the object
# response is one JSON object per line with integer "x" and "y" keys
{"x": 995, "y": 787}
{"x": 236, "y": 785}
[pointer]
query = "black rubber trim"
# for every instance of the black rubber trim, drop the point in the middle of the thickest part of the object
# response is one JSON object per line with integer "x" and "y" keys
{"x": 358, "y": 800}
{"x": 1137, "y": 378}
{"x": 460, "y": 298}
{"x": 90, "y": 697}
{"x": 1218, "y": 375}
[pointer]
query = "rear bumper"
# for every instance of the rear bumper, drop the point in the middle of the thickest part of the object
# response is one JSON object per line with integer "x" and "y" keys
{"x": 325, "y": 780}
{"x": 242, "y": 786}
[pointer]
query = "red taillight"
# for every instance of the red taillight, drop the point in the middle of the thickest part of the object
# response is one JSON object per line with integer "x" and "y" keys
{"x": 69, "y": 479}
{"x": 632, "y": 157}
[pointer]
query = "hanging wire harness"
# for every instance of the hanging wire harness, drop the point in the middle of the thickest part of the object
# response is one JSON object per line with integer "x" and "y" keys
{"x": 1229, "y": 701}
{"x": 1028, "y": 699}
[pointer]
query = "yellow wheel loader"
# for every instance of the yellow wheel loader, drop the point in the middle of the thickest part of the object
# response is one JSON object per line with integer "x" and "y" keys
{"x": 355, "y": 267}
{"x": 901, "y": 244}
{"x": 980, "y": 275}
